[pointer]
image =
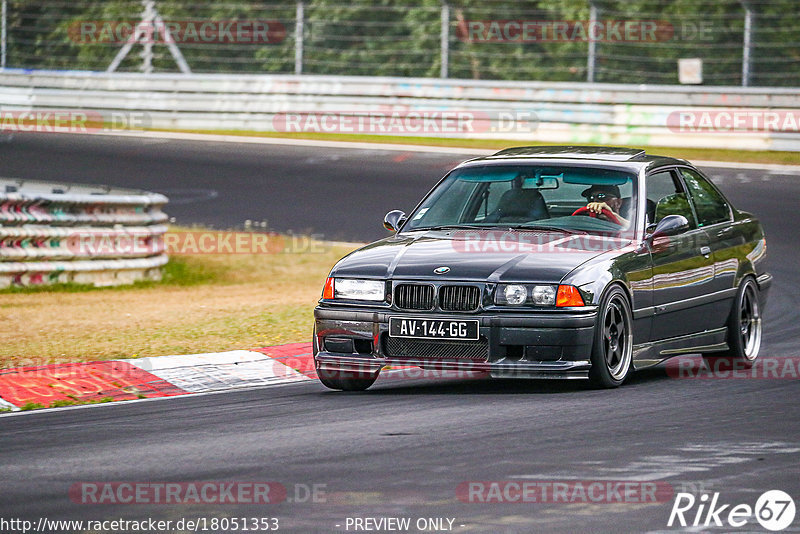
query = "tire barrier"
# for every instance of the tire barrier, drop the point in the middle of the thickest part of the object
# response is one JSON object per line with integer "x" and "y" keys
{"x": 61, "y": 233}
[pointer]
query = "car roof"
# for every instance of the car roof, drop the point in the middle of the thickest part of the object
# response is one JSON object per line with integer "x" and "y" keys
{"x": 620, "y": 157}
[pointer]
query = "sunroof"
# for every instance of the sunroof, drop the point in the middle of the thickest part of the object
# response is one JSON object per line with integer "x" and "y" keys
{"x": 608, "y": 153}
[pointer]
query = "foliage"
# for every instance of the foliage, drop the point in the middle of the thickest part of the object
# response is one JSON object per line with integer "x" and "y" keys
{"x": 394, "y": 38}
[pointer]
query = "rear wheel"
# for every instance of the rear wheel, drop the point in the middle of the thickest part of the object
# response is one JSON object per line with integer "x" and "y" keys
{"x": 744, "y": 327}
{"x": 347, "y": 380}
{"x": 613, "y": 341}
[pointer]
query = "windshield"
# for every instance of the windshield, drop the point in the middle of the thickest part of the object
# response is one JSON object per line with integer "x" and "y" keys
{"x": 579, "y": 199}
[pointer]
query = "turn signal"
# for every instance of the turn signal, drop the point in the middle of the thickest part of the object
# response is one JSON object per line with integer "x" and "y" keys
{"x": 568, "y": 296}
{"x": 327, "y": 293}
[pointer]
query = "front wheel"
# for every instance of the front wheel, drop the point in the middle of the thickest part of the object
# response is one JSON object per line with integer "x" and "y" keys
{"x": 347, "y": 380}
{"x": 343, "y": 380}
{"x": 613, "y": 341}
{"x": 744, "y": 327}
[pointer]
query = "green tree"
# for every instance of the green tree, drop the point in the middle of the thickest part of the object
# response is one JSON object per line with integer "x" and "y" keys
{"x": 402, "y": 38}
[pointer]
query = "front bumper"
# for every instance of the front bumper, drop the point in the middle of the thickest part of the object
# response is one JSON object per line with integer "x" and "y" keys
{"x": 519, "y": 345}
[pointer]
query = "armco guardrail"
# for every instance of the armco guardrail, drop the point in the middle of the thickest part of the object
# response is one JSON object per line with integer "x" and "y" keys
{"x": 58, "y": 233}
{"x": 535, "y": 111}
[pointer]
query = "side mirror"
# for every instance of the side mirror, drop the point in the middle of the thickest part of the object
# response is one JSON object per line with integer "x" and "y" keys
{"x": 394, "y": 220}
{"x": 669, "y": 225}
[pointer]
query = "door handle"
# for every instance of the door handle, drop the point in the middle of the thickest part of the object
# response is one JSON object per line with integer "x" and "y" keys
{"x": 705, "y": 251}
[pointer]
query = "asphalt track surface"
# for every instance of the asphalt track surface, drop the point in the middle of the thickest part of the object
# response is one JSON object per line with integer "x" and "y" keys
{"x": 402, "y": 448}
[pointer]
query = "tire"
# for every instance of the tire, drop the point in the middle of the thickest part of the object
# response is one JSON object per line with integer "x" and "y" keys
{"x": 347, "y": 380}
{"x": 744, "y": 327}
{"x": 612, "y": 350}
{"x": 343, "y": 380}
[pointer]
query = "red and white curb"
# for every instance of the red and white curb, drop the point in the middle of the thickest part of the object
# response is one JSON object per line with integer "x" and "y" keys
{"x": 163, "y": 376}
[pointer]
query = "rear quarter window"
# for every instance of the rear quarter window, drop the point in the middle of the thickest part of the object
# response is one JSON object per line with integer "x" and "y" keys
{"x": 711, "y": 207}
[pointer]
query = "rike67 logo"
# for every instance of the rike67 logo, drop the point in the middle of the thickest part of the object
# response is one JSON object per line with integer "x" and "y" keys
{"x": 774, "y": 510}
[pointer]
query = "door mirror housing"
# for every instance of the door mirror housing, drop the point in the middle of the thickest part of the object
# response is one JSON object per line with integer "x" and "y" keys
{"x": 394, "y": 220}
{"x": 669, "y": 225}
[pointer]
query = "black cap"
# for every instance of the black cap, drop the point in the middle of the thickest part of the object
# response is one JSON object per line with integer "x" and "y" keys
{"x": 607, "y": 189}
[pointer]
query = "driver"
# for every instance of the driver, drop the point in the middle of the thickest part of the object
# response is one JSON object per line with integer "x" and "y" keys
{"x": 602, "y": 197}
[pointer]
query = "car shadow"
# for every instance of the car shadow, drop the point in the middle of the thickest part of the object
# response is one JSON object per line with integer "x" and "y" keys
{"x": 651, "y": 374}
{"x": 484, "y": 385}
{"x": 480, "y": 386}
{"x": 508, "y": 386}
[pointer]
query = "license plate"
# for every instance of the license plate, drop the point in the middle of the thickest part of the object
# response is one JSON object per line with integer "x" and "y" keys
{"x": 422, "y": 328}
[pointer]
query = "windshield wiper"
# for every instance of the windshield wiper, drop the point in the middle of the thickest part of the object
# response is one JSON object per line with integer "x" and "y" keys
{"x": 448, "y": 227}
{"x": 497, "y": 225}
{"x": 535, "y": 226}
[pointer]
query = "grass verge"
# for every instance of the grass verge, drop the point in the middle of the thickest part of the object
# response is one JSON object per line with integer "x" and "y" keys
{"x": 700, "y": 154}
{"x": 28, "y": 406}
{"x": 205, "y": 303}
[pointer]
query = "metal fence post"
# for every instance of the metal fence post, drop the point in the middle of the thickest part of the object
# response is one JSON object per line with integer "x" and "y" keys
{"x": 445, "y": 36}
{"x": 3, "y": 35}
{"x": 147, "y": 45}
{"x": 145, "y": 32}
{"x": 590, "y": 59}
{"x": 747, "y": 46}
{"x": 298, "y": 38}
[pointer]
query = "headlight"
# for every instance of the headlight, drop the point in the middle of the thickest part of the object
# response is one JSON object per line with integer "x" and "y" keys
{"x": 543, "y": 295}
{"x": 346, "y": 288}
{"x": 515, "y": 294}
{"x": 532, "y": 295}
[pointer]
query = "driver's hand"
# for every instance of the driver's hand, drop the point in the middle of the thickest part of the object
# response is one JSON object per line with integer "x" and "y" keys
{"x": 598, "y": 207}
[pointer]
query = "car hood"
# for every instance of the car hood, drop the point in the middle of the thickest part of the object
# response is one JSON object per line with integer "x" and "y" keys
{"x": 494, "y": 256}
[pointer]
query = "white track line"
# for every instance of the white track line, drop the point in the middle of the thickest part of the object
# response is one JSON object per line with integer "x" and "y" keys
{"x": 6, "y": 404}
{"x": 216, "y": 138}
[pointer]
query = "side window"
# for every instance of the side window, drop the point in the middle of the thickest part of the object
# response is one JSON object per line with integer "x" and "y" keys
{"x": 662, "y": 184}
{"x": 710, "y": 205}
{"x": 666, "y": 196}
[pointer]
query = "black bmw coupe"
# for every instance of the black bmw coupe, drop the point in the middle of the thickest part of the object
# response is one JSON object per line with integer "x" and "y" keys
{"x": 549, "y": 262}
